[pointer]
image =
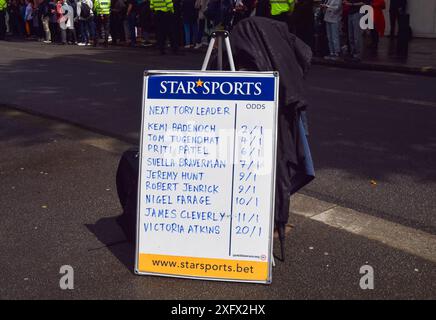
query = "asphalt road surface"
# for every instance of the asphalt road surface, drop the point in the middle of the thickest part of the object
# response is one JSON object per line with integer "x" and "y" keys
{"x": 372, "y": 136}
{"x": 59, "y": 206}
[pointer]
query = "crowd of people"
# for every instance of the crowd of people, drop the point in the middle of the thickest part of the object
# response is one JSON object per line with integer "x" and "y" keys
{"x": 342, "y": 20}
{"x": 189, "y": 22}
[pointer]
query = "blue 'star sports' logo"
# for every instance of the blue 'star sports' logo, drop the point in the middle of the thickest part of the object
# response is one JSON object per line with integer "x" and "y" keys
{"x": 211, "y": 88}
{"x": 226, "y": 88}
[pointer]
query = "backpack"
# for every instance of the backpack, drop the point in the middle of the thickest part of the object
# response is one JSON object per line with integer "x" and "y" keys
{"x": 127, "y": 188}
{"x": 85, "y": 11}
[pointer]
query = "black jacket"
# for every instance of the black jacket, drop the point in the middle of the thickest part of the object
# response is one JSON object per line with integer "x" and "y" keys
{"x": 397, "y": 4}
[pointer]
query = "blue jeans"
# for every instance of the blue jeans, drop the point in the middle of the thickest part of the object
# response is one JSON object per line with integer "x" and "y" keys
{"x": 87, "y": 30}
{"x": 355, "y": 35}
{"x": 190, "y": 32}
{"x": 333, "y": 38}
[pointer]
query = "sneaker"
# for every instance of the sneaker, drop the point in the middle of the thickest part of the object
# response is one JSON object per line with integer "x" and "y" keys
{"x": 329, "y": 57}
{"x": 47, "y": 41}
{"x": 198, "y": 46}
{"x": 187, "y": 46}
{"x": 81, "y": 44}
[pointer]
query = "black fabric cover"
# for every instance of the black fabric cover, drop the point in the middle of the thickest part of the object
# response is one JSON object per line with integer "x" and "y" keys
{"x": 263, "y": 44}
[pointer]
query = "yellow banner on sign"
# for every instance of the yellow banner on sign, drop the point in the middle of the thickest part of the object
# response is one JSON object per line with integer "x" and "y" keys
{"x": 203, "y": 267}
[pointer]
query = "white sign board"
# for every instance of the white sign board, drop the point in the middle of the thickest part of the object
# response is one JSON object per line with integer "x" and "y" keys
{"x": 207, "y": 175}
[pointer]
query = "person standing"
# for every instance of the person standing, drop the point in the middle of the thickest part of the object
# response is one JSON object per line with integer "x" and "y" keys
{"x": 165, "y": 24}
{"x": 28, "y": 17}
{"x": 86, "y": 22}
{"x": 145, "y": 22}
{"x": 189, "y": 16}
{"x": 44, "y": 9}
{"x": 53, "y": 22}
{"x": 37, "y": 21}
{"x": 332, "y": 18}
{"x": 3, "y": 7}
{"x": 355, "y": 32}
{"x": 201, "y": 6}
{"x": 132, "y": 19}
{"x": 379, "y": 23}
{"x": 60, "y": 23}
{"x": 15, "y": 18}
{"x": 304, "y": 21}
{"x": 282, "y": 10}
{"x": 396, "y": 8}
{"x": 69, "y": 32}
{"x": 102, "y": 11}
{"x": 118, "y": 14}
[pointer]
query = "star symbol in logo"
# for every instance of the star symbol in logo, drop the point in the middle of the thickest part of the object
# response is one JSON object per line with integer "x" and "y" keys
{"x": 199, "y": 83}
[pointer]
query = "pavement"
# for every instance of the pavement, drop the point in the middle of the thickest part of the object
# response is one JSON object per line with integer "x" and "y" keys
{"x": 59, "y": 206}
{"x": 72, "y": 111}
{"x": 421, "y": 58}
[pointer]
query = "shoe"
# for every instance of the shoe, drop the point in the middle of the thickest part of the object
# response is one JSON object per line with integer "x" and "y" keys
{"x": 356, "y": 59}
{"x": 47, "y": 41}
{"x": 187, "y": 46}
{"x": 81, "y": 44}
{"x": 329, "y": 57}
{"x": 198, "y": 46}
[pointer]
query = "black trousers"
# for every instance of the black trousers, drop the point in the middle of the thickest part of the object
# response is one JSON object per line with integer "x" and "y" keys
{"x": 117, "y": 27}
{"x": 393, "y": 17}
{"x": 166, "y": 28}
{"x": 2, "y": 24}
{"x": 374, "y": 39}
{"x": 103, "y": 27}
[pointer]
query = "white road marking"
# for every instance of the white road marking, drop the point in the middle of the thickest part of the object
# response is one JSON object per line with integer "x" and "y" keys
{"x": 392, "y": 234}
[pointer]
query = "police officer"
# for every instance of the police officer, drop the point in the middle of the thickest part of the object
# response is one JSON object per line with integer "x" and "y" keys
{"x": 165, "y": 23}
{"x": 102, "y": 10}
{"x": 282, "y": 10}
{"x": 3, "y": 6}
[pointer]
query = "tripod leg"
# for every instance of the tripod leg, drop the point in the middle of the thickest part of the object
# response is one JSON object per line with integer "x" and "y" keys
{"x": 230, "y": 54}
{"x": 208, "y": 54}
